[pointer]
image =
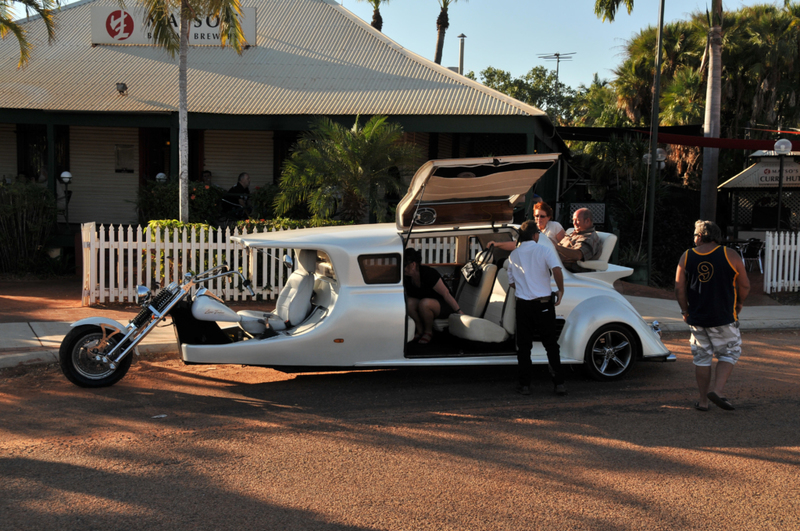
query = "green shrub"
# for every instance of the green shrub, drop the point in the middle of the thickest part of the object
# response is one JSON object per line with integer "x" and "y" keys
{"x": 157, "y": 201}
{"x": 27, "y": 218}
{"x": 261, "y": 225}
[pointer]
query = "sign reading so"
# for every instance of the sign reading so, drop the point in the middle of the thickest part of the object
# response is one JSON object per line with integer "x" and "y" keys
{"x": 112, "y": 25}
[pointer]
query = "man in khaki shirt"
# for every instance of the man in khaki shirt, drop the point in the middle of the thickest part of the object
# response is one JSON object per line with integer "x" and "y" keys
{"x": 582, "y": 244}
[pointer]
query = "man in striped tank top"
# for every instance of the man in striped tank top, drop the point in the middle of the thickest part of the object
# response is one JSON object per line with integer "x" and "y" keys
{"x": 711, "y": 284}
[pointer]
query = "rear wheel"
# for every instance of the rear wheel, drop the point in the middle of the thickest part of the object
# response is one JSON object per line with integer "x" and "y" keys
{"x": 79, "y": 353}
{"x": 611, "y": 352}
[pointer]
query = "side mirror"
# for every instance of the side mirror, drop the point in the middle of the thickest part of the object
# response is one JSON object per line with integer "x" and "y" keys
{"x": 288, "y": 263}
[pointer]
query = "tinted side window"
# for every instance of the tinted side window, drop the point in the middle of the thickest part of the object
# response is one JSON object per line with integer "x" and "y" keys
{"x": 380, "y": 268}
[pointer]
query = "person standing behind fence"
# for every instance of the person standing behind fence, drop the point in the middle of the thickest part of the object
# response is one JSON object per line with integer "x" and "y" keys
{"x": 529, "y": 268}
{"x": 711, "y": 285}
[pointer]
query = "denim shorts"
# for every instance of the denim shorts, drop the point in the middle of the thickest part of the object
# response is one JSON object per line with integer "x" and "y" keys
{"x": 724, "y": 342}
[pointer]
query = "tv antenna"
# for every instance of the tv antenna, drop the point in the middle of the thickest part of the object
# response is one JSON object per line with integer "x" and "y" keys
{"x": 557, "y": 57}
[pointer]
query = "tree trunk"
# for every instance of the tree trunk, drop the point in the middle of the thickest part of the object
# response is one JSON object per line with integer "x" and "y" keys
{"x": 711, "y": 126}
{"x": 183, "y": 114}
{"x": 377, "y": 20}
{"x": 442, "y": 23}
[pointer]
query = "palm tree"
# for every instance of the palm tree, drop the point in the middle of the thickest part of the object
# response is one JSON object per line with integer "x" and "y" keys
{"x": 158, "y": 12}
{"x": 377, "y": 19}
{"x": 682, "y": 103}
{"x": 607, "y": 9}
{"x": 349, "y": 171}
{"x": 442, "y": 23}
{"x": 711, "y": 124}
{"x": 43, "y": 8}
{"x": 708, "y": 190}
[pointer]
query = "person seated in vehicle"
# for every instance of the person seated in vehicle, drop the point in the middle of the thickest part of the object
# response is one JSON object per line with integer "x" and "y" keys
{"x": 427, "y": 297}
{"x": 582, "y": 244}
{"x": 543, "y": 216}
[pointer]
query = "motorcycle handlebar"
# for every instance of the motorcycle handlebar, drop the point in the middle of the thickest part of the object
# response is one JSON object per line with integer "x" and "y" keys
{"x": 225, "y": 270}
{"x": 246, "y": 284}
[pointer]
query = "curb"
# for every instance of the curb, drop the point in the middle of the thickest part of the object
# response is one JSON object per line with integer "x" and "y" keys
{"x": 749, "y": 326}
{"x": 46, "y": 357}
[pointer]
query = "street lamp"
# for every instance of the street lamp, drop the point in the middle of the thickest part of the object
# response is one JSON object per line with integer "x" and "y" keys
{"x": 161, "y": 177}
{"x": 782, "y": 147}
{"x": 661, "y": 156}
{"x": 66, "y": 178}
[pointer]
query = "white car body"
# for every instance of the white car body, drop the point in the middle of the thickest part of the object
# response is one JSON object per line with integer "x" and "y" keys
{"x": 359, "y": 325}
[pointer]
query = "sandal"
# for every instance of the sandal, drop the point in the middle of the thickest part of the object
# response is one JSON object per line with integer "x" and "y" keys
{"x": 698, "y": 407}
{"x": 425, "y": 339}
{"x": 720, "y": 401}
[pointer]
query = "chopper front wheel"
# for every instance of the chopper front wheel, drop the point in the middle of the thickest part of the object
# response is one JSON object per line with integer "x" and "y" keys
{"x": 79, "y": 353}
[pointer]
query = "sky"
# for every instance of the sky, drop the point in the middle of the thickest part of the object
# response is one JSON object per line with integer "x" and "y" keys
{"x": 511, "y": 34}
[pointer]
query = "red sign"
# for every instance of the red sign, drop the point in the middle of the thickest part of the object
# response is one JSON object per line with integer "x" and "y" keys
{"x": 119, "y": 25}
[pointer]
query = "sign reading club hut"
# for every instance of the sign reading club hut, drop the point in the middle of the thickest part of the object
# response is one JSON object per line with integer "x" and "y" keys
{"x": 112, "y": 25}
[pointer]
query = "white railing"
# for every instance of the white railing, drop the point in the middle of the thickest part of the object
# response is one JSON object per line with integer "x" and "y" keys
{"x": 118, "y": 259}
{"x": 781, "y": 262}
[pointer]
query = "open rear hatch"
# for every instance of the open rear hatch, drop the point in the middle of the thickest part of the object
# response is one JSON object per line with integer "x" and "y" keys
{"x": 470, "y": 192}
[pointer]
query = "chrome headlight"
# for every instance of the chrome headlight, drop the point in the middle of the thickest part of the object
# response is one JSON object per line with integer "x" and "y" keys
{"x": 143, "y": 295}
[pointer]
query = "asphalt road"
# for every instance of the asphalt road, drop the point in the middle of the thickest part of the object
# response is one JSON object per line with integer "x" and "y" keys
{"x": 226, "y": 447}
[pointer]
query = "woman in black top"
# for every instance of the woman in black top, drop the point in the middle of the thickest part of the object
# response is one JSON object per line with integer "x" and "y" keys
{"x": 427, "y": 298}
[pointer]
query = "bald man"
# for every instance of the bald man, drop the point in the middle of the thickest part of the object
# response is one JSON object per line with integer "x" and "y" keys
{"x": 583, "y": 244}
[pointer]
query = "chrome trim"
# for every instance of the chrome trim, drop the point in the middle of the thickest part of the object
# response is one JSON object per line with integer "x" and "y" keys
{"x": 656, "y": 328}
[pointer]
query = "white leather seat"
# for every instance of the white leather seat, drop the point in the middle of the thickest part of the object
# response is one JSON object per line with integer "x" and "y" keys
{"x": 499, "y": 321}
{"x": 472, "y": 299}
{"x": 294, "y": 301}
{"x": 608, "y": 241}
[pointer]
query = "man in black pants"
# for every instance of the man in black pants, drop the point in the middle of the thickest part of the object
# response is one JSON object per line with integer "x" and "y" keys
{"x": 529, "y": 270}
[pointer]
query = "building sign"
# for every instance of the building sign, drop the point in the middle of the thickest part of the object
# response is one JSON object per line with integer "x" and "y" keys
{"x": 112, "y": 25}
{"x": 765, "y": 174}
{"x": 768, "y": 173}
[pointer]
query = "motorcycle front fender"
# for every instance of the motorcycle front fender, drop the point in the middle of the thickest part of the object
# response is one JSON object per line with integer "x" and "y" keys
{"x": 102, "y": 322}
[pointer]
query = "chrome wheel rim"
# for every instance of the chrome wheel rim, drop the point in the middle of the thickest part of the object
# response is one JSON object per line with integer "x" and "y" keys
{"x": 612, "y": 353}
{"x": 85, "y": 354}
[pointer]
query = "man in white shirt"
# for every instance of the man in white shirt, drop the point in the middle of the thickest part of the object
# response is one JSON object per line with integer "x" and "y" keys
{"x": 529, "y": 270}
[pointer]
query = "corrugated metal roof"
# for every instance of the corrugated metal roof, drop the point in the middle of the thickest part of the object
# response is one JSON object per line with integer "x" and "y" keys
{"x": 312, "y": 57}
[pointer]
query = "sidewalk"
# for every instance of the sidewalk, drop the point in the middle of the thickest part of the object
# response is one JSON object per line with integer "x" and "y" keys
{"x": 35, "y": 317}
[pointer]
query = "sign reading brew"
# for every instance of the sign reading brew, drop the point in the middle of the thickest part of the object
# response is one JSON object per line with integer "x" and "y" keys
{"x": 112, "y": 25}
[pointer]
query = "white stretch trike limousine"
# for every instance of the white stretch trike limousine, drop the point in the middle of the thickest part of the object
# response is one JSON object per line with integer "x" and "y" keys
{"x": 344, "y": 307}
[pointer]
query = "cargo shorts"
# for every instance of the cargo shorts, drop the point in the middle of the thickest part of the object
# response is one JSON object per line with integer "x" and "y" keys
{"x": 724, "y": 342}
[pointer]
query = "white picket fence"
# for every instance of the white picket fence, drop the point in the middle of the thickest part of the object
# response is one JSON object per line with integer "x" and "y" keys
{"x": 781, "y": 262}
{"x": 118, "y": 259}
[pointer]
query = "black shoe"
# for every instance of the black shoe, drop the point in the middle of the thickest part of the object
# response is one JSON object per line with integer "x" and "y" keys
{"x": 560, "y": 390}
{"x": 523, "y": 389}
